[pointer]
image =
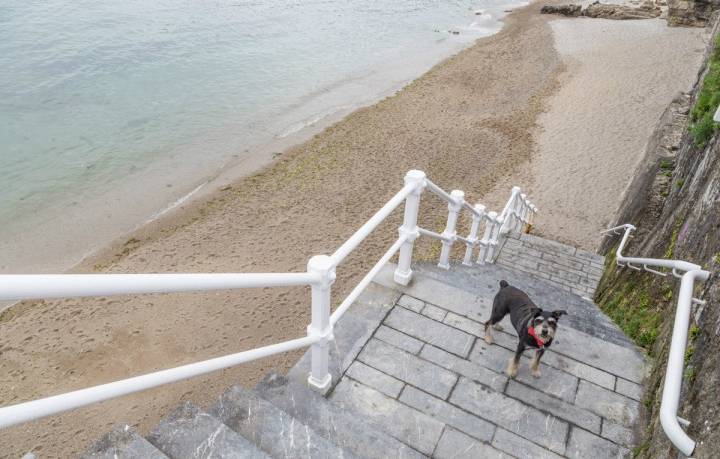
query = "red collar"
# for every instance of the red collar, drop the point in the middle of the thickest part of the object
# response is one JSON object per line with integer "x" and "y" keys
{"x": 538, "y": 341}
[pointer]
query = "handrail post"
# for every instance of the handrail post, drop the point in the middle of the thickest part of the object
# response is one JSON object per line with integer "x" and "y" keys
{"x": 320, "y": 325}
{"x": 495, "y": 236}
{"x": 409, "y": 228}
{"x": 487, "y": 237}
{"x": 449, "y": 233}
{"x": 531, "y": 218}
{"x": 519, "y": 210}
{"x": 511, "y": 217}
{"x": 524, "y": 212}
{"x": 472, "y": 237}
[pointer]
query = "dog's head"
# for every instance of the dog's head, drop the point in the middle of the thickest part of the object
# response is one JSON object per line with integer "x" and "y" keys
{"x": 545, "y": 323}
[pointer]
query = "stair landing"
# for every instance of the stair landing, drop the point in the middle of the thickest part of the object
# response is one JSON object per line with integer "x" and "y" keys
{"x": 428, "y": 378}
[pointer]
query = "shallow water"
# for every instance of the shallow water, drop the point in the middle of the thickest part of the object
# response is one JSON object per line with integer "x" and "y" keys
{"x": 109, "y": 111}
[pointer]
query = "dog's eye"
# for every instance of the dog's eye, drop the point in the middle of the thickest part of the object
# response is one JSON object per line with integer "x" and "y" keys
{"x": 538, "y": 320}
{"x": 551, "y": 321}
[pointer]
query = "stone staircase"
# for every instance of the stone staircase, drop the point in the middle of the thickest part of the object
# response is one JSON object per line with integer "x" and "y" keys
{"x": 414, "y": 378}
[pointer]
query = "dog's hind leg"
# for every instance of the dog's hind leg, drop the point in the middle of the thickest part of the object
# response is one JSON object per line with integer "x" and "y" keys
{"x": 535, "y": 363}
{"x": 499, "y": 310}
{"x": 515, "y": 360}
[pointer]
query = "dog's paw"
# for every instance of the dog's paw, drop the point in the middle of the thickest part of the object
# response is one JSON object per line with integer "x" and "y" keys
{"x": 536, "y": 373}
{"x": 512, "y": 368}
{"x": 498, "y": 327}
{"x": 488, "y": 338}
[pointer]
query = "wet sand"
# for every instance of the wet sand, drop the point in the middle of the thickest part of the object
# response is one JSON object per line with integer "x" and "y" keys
{"x": 473, "y": 122}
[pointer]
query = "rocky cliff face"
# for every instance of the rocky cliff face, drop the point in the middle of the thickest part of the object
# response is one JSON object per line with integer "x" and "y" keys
{"x": 675, "y": 203}
{"x": 691, "y": 12}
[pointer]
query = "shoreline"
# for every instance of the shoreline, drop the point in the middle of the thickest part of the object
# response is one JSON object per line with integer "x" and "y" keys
{"x": 474, "y": 121}
{"x": 308, "y": 116}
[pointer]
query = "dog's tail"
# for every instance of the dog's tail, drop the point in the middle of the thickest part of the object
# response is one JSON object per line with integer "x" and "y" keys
{"x": 503, "y": 284}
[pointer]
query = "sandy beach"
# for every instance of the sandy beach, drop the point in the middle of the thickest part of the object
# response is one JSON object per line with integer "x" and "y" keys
{"x": 561, "y": 107}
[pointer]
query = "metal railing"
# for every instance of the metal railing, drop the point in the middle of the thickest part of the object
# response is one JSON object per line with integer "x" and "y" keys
{"x": 320, "y": 276}
{"x": 669, "y": 418}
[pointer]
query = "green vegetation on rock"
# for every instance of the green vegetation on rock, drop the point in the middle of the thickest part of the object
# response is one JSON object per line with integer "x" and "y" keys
{"x": 703, "y": 127}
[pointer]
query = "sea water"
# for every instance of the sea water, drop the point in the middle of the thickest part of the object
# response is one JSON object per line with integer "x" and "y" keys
{"x": 112, "y": 110}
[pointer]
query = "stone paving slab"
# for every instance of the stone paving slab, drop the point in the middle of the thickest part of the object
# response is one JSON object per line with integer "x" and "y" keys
{"x": 511, "y": 414}
{"x": 559, "y": 408}
{"x": 608, "y": 404}
{"x": 430, "y": 331}
{"x": 582, "y": 445}
{"x": 456, "y": 445}
{"x": 408, "y": 425}
{"x": 375, "y": 379}
{"x": 409, "y": 368}
{"x": 399, "y": 340}
{"x": 449, "y": 414}
{"x": 627, "y": 388}
{"x": 520, "y": 447}
{"x": 470, "y": 370}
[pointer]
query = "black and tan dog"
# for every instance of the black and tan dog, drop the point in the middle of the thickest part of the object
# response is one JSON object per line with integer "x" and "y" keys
{"x": 535, "y": 327}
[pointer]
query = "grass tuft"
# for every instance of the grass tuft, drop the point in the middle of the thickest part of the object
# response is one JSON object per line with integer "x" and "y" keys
{"x": 703, "y": 127}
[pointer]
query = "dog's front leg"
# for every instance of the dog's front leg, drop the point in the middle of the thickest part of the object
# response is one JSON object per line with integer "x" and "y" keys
{"x": 515, "y": 360}
{"x": 535, "y": 363}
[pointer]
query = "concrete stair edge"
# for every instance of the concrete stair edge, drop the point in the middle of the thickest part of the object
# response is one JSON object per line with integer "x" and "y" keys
{"x": 359, "y": 436}
{"x": 189, "y": 432}
{"x": 272, "y": 429}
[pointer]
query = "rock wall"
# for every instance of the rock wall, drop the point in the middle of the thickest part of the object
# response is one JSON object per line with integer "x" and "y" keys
{"x": 675, "y": 203}
{"x": 691, "y": 12}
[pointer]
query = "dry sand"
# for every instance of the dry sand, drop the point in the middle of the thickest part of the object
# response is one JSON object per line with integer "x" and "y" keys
{"x": 620, "y": 76}
{"x": 470, "y": 123}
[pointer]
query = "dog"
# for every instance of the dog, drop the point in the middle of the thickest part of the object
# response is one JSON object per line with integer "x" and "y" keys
{"x": 535, "y": 328}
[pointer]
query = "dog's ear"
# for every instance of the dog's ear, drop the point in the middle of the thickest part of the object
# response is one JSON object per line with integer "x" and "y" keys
{"x": 558, "y": 313}
{"x": 535, "y": 312}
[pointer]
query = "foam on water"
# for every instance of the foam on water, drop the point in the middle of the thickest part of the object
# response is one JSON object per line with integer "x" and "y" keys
{"x": 112, "y": 111}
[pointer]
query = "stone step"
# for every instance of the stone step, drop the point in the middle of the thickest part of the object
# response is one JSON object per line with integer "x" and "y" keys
{"x": 190, "y": 433}
{"x": 352, "y": 433}
{"x": 272, "y": 429}
{"x": 123, "y": 443}
{"x": 564, "y": 266}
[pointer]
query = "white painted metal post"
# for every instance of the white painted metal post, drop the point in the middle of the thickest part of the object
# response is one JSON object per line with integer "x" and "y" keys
{"x": 524, "y": 212}
{"x": 403, "y": 272}
{"x": 320, "y": 326}
{"x": 487, "y": 236}
{"x": 449, "y": 233}
{"x": 472, "y": 237}
{"x": 494, "y": 238}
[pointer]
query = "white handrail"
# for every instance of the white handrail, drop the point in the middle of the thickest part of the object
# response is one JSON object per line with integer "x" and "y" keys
{"x": 444, "y": 195}
{"x": 319, "y": 276}
{"x": 345, "y": 305}
{"x": 39, "y": 286}
{"x": 27, "y": 411}
{"x": 371, "y": 224}
{"x": 659, "y": 262}
{"x": 676, "y": 357}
